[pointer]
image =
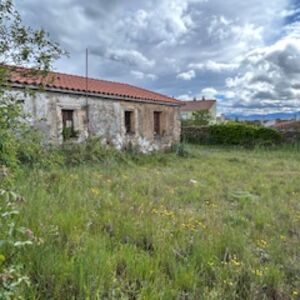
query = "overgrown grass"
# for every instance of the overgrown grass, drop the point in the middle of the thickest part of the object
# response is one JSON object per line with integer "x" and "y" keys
{"x": 217, "y": 224}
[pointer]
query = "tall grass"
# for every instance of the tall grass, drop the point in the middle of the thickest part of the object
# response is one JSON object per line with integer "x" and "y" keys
{"x": 217, "y": 224}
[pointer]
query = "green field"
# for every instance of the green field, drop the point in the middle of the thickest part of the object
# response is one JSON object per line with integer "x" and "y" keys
{"x": 217, "y": 224}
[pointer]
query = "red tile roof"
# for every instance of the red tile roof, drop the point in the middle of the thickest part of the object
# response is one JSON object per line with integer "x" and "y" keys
{"x": 74, "y": 83}
{"x": 197, "y": 105}
{"x": 287, "y": 124}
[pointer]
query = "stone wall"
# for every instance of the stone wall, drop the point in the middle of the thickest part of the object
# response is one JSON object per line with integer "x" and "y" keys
{"x": 103, "y": 118}
{"x": 290, "y": 131}
{"x": 290, "y": 136}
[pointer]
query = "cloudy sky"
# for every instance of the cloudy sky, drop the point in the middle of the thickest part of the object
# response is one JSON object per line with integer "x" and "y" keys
{"x": 244, "y": 53}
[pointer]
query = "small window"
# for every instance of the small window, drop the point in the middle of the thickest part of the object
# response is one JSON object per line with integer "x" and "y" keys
{"x": 129, "y": 122}
{"x": 68, "y": 124}
{"x": 157, "y": 123}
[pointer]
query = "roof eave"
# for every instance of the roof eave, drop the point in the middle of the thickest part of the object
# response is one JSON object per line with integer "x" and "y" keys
{"x": 97, "y": 95}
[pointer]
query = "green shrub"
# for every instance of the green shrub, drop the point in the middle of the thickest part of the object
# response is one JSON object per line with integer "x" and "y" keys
{"x": 195, "y": 134}
{"x": 10, "y": 115}
{"x": 8, "y": 145}
{"x": 69, "y": 133}
{"x": 232, "y": 134}
{"x": 91, "y": 151}
{"x": 30, "y": 150}
{"x": 180, "y": 149}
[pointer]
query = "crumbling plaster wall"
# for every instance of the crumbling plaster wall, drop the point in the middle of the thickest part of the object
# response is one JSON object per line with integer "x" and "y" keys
{"x": 103, "y": 118}
{"x": 143, "y": 137}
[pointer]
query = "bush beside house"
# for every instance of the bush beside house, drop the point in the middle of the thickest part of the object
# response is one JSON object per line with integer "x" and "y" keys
{"x": 231, "y": 134}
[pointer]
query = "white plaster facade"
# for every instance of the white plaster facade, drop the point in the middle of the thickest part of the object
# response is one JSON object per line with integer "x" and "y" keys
{"x": 188, "y": 115}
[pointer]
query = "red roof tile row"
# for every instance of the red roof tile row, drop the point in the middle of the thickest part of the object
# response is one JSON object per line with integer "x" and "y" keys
{"x": 197, "y": 105}
{"x": 74, "y": 83}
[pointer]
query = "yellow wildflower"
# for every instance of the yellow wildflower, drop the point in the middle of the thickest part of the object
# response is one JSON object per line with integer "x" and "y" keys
{"x": 95, "y": 191}
{"x": 228, "y": 282}
{"x": 236, "y": 262}
{"x": 262, "y": 243}
{"x": 2, "y": 258}
{"x": 258, "y": 273}
{"x": 203, "y": 226}
{"x": 283, "y": 237}
{"x": 211, "y": 263}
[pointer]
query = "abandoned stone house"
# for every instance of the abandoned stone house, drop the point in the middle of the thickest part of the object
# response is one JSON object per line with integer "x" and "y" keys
{"x": 74, "y": 107}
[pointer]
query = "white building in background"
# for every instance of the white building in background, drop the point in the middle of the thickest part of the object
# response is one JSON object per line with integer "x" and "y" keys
{"x": 186, "y": 111}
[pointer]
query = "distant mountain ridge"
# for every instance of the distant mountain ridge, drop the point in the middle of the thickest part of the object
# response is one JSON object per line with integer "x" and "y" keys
{"x": 282, "y": 116}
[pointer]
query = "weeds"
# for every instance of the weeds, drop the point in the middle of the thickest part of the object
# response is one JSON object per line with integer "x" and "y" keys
{"x": 127, "y": 226}
{"x": 13, "y": 240}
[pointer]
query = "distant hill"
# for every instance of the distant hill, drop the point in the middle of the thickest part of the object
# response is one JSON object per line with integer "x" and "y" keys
{"x": 283, "y": 116}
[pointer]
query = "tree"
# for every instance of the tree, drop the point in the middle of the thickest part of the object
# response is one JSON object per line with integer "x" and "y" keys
{"x": 198, "y": 118}
{"x": 20, "y": 45}
{"x": 201, "y": 117}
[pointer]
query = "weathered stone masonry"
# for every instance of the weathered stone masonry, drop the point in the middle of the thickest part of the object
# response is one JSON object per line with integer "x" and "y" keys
{"x": 104, "y": 117}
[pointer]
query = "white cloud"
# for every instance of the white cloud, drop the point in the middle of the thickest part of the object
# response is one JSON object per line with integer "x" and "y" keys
{"x": 244, "y": 50}
{"x": 185, "y": 97}
{"x": 152, "y": 76}
{"x": 140, "y": 75}
{"x": 269, "y": 78}
{"x": 213, "y": 66}
{"x": 208, "y": 93}
{"x": 130, "y": 57}
{"x": 290, "y": 12}
{"x": 164, "y": 23}
{"x": 189, "y": 75}
{"x": 222, "y": 29}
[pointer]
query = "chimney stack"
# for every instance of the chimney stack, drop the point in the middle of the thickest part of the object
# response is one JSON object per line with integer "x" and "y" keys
{"x": 195, "y": 99}
{"x": 203, "y": 98}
